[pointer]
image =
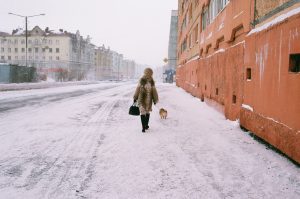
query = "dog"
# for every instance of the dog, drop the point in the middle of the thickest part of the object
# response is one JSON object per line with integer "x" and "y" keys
{"x": 163, "y": 113}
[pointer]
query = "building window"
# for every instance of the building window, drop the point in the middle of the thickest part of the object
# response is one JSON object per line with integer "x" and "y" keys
{"x": 183, "y": 26}
{"x": 29, "y": 41}
{"x": 248, "y": 74}
{"x": 9, "y": 57}
{"x": 50, "y": 41}
{"x": 50, "y": 50}
{"x": 217, "y": 91}
{"x": 23, "y": 50}
{"x": 57, "y": 58}
{"x": 191, "y": 13}
{"x": 204, "y": 19}
{"x": 196, "y": 34}
{"x": 57, "y": 50}
{"x": 36, "y": 50}
{"x": 196, "y": 2}
{"x": 212, "y": 10}
{"x": 294, "y": 63}
{"x": 2, "y": 57}
{"x": 23, "y": 41}
{"x": 16, "y": 50}
{"x": 234, "y": 99}
{"x": 184, "y": 45}
{"x": 9, "y": 50}
{"x": 215, "y": 7}
{"x": 9, "y": 41}
{"x": 43, "y": 50}
{"x": 57, "y": 42}
{"x": 225, "y": 2}
{"x": 36, "y": 41}
{"x": 2, "y": 50}
{"x": 16, "y": 41}
{"x": 29, "y": 50}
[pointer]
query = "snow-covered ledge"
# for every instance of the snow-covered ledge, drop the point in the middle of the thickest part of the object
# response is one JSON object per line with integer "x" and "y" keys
{"x": 245, "y": 106}
{"x": 275, "y": 21}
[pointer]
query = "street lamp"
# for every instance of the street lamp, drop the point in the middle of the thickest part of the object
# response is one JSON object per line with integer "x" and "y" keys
{"x": 26, "y": 34}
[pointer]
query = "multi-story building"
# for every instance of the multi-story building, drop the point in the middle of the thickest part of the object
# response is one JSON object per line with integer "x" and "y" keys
{"x": 117, "y": 60}
{"x": 103, "y": 63}
{"x": 172, "y": 49}
{"x": 58, "y": 54}
{"x": 128, "y": 69}
{"x": 243, "y": 58}
{"x": 170, "y": 67}
{"x": 108, "y": 64}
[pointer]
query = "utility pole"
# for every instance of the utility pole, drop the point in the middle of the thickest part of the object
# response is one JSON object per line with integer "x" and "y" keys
{"x": 26, "y": 39}
{"x": 26, "y": 31}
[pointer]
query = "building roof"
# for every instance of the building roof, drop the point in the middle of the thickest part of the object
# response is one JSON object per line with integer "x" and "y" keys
{"x": 4, "y": 34}
{"x": 174, "y": 13}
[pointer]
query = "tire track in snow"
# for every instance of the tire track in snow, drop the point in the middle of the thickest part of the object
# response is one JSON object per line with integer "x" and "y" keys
{"x": 77, "y": 179}
{"x": 82, "y": 146}
{"x": 54, "y": 172}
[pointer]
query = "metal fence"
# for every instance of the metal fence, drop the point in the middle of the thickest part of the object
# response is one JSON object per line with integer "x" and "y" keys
{"x": 17, "y": 74}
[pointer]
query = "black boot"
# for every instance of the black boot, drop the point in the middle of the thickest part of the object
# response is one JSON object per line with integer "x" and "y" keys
{"x": 143, "y": 120}
{"x": 147, "y": 121}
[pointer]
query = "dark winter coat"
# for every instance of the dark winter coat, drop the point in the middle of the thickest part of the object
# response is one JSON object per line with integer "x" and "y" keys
{"x": 146, "y": 94}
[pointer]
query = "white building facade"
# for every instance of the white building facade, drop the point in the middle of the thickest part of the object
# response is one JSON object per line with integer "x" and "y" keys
{"x": 59, "y": 55}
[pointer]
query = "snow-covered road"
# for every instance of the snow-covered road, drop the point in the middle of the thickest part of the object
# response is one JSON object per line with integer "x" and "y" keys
{"x": 80, "y": 142}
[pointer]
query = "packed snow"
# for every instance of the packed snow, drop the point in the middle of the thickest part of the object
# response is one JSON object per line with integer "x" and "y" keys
{"x": 79, "y": 142}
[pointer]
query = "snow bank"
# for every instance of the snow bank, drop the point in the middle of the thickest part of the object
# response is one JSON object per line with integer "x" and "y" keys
{"x": 41, "y": 85}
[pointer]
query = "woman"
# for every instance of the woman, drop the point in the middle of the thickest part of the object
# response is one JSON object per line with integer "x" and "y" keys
{"x": 145, "y": 94}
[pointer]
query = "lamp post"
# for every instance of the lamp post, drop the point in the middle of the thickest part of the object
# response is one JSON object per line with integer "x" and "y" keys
{"x": 26, "y": 34}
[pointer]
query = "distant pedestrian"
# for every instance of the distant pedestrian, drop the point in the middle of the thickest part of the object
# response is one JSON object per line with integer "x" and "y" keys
{"x": 146, "y": 94}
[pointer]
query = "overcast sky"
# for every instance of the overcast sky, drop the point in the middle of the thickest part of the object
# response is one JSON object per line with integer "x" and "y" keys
{"x": 139, "y": 29}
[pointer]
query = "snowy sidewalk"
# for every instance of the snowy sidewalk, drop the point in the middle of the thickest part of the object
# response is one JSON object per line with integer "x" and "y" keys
{"x": 89, "y": 147}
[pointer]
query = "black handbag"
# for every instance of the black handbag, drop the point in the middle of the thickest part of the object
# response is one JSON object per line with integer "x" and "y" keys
{"x": 134, "y": 110}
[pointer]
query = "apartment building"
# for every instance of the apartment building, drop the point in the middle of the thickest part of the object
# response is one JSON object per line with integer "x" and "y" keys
{"x": 172, "y": 49}
{"x": 117, "y": 61}
{"x": 128, "y": 69}
{"x": 60, "y": 55}
{"x": 108, "y": 64}
{"x": 242, "y": 57}
{"x": 103, "y": 63}
{"x": 170, "y": 67}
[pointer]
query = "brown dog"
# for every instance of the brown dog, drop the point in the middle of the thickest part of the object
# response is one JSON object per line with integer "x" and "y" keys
{"x": 163, "y": 113}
